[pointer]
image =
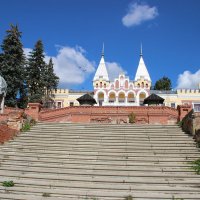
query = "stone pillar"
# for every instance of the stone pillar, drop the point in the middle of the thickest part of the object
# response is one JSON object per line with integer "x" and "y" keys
{"x": 117, "y": 101}
{"x": 2, "y": 105}
{"x": 183, "y": 111}
{"x": 33, "y": 110}
{"x": 126, "y": 100}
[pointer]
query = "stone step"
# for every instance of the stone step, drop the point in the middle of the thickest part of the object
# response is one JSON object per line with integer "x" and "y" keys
{"x": 106, "y": 146}
{"x": 106, "y": 143}
{"x": 47, "y": 162}
{"x": 32, "y": 171}
{"x": 9, "y": 151}
{"x": 106, "y": 186}
{"x": 95, "y": 161}
{"x": 93, "y": 194}
{"x": 136, "y": 167}
{"x": 93, "y": 136}
{"x": 97, "y": 157}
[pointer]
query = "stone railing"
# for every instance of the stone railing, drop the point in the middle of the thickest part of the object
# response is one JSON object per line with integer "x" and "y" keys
{"x": 191, "y": 122}
{"x": 152, "y": 114}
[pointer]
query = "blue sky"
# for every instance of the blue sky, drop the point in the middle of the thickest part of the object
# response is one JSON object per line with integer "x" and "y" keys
{"x": 73, "y": 32}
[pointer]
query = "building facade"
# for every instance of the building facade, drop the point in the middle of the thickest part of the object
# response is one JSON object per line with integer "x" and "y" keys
{"x": 125, "y": 92}
{"x": 121, "y": 91}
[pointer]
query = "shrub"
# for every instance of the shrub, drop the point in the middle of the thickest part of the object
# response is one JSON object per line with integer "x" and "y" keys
{"x": 180, "y": 123}
{"x": 129, "y": 197}
{"x": 132, "y": 118}
{"x": 32, "y": 122}
{"x": 8, "y": 184}
{"x": 46, "y": 194}
{"x": 196, "y": 166}
{"x": 26, "y": 127}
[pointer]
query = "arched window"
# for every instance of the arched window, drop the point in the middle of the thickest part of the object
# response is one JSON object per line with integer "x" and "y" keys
{"x": 121, "y": 97}
{"x": 112, "y": 97}
{"x": 101, "y": 98}
{"x": 131, "y": 97}
{"x": 142, "y": 97}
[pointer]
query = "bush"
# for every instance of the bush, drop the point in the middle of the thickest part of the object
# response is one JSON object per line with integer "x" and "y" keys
{"x": 180, "y": 123}
{"x": 132, "y": 118}
{"x": 26, "y": 127}
{"x": 196, "y": 166}
{"x": 32, "y": 122}
{"x": 46, "y": 194}
{"x": 8, "y": 184}
{"x": 129, "y": 197}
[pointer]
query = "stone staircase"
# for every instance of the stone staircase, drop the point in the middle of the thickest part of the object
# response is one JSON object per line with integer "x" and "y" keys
{"x": 63, "y": 161}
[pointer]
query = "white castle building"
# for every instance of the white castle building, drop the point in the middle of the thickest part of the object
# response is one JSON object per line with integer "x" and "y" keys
{"x": 122, "y": 91}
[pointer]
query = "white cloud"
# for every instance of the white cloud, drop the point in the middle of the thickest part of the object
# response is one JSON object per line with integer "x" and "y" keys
{"x": 114, "y": 69}
{"x": 139, "y": 13}
{"x": 188, "y": 80}
{"x": 27, "y": 51}
{"x": 70, "y": 65}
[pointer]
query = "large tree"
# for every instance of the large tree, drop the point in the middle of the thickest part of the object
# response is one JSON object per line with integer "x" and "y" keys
{"x": 41, "y": 79}
{"x": 12, "y": 61}
{"x": 163, "y": 84}
{"x": 35, "y": 73}
{"x": 51, "y": 81}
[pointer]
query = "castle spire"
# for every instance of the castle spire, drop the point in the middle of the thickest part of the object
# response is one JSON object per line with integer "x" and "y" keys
{"x": 142, "y": 71}
{"x": 102, "y": 50}
{"x": 141, "y": 50}
{"x": 101, "y": 70}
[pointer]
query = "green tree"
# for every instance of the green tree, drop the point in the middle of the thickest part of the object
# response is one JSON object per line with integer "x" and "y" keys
{"x": 35, "y": 72}
{"x": 163, "y": 84}
{"x": 51, "y": 81}
{"x": 12, "y": 61}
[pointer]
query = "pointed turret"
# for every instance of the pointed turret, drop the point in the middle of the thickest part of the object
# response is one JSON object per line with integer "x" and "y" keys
{"x": 101, "y": 72}
{"x": 142, "y": 70}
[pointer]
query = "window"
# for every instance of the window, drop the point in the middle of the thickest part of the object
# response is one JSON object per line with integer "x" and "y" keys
{"x": 71, "y": 104}
{"x": 173, "y": 105}
{"x": 59, "y": 104}
{"x": 196, "y": 107}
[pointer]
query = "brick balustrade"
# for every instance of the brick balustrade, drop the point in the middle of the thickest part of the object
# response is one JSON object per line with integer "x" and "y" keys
{"x": 106, "y": 114}
{"x": 152, "y": 115}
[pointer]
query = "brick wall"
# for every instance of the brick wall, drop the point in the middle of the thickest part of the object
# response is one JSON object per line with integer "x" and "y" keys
{"x": 106, "y": 114}
{"x": 144, "y": 115}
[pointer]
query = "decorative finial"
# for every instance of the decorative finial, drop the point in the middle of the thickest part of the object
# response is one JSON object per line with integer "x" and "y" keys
{"x": 103, "y": 50}
{"x": 141, "y": 50}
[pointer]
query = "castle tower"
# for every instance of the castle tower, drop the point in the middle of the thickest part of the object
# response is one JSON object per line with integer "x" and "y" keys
{"x": 101, "y": 81}
{"x": 142, "y": 78}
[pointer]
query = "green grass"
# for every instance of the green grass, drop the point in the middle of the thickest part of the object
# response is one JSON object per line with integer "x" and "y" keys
{"x": 196, "y": 166}
{"x": 26, "y": 127}
{"x": 8, "y": 184}
{"x": 128, "y": 198}
{"x": 46, "y": 194}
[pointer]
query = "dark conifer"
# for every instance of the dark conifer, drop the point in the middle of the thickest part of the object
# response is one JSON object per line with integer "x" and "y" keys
{"x": 35, "y": 73}
{"x": 12, "y": 61}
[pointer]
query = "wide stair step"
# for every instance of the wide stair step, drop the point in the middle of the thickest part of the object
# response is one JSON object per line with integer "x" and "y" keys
{"x": 61, "y": 161}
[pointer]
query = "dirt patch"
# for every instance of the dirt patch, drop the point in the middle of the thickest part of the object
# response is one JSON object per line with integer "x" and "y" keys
{"x": 6, "y": 133}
